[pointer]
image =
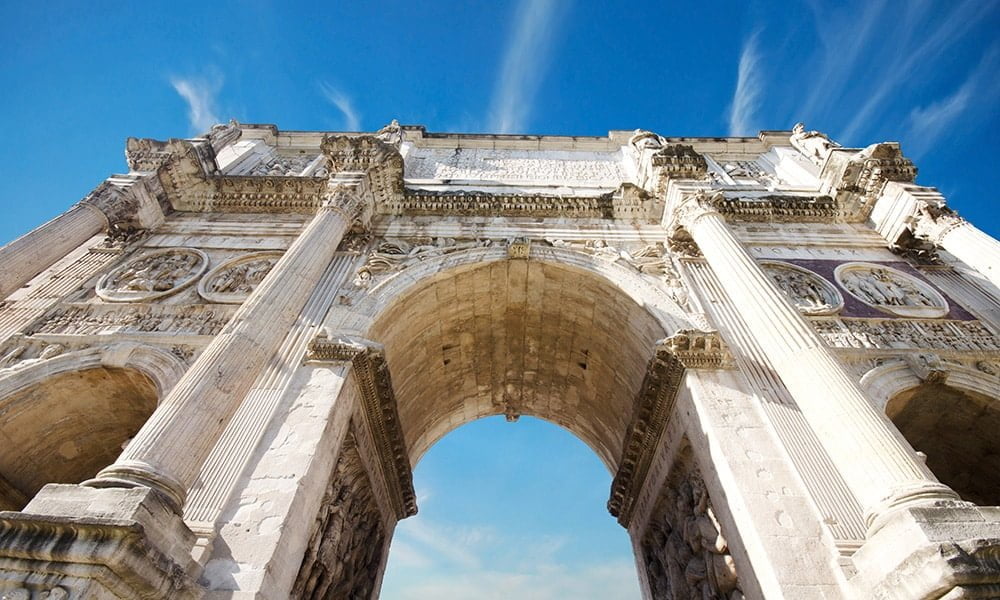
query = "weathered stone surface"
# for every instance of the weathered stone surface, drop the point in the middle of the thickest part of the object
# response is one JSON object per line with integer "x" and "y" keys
{"x": 776, "y": 345}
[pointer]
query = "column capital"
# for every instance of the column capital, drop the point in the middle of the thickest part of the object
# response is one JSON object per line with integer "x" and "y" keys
{"x": 691, "y": 207}
{"x": 933, "y": 221}
{"x": 116, "y": 203}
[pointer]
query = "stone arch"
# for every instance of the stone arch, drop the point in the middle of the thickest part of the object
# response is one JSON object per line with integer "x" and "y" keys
{"x": 560, "y": 336}
{"x": 952, "y": 418}
{"x": 68, "y": 416}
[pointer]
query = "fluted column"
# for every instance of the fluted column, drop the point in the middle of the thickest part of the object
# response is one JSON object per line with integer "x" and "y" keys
{"x": 170, "y": 448}
{"x": 876, "y": 462}
{"x": 27, "y": 256}
{"x": 966, "y": 242}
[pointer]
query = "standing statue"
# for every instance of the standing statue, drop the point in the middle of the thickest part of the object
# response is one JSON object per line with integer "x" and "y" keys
{"x": 814, "y": 144}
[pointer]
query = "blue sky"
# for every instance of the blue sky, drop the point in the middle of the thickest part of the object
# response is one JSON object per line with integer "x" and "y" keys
{"x": 80, "y": 77}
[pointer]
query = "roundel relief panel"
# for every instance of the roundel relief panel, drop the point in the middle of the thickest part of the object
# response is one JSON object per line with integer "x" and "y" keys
{"x": 233, "y": 281}
{"x": 890, "y": 290}
{"x": 810, "y": 293}
{"x": 153, "y": 275}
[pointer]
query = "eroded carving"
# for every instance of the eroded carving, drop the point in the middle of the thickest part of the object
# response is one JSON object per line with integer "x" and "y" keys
{"x": 890, "y": 290}
{"x": 816, "y": 146}
{"x": 685, "y": 553}
{"x": 395, "y": 254}
{"x": 285, "y": 166}
{"x": 345, "y": 549}
{"x": 90, "y": 319}
{"x": 20, "y": 351}
{"x": 233, "y": 282}
{"x": 887, "y": 334}
{"x": 153, "y": 275}
{"x": 810, "y": 293}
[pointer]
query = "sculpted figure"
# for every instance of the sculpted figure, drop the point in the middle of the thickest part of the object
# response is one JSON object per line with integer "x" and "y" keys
{"x": 814, "y": 144}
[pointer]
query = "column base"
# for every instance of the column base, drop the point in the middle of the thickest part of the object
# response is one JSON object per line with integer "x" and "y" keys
{"x": 938, "y": 551}
{"x": 78, "y": 542}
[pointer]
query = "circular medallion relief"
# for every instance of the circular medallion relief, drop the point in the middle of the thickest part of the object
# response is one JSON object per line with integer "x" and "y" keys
{"x": 890, "y": 290}
{"x": 153, "y": 275}
{"x": 809, "y": 292}
{"x": 233, "y": 281}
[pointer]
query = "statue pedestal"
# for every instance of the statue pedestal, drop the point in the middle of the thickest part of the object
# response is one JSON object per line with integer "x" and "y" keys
{"x": 932, "y": 552}
{"x": 78, "y": 542}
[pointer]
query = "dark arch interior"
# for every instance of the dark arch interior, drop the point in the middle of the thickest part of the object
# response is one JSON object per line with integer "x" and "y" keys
{"x": 959, "y": 431}
{"x": 68, "y": 427}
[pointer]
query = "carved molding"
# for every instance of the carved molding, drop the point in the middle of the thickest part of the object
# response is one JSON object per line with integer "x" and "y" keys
{"x": 653, "y": 406}
{"x": 628, "y": 202}
{"x": 379, "y": 409}
{"x": 698, "y": 349}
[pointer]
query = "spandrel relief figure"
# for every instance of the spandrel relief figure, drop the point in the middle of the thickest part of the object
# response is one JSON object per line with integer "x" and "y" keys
{"x": 394, "y": 254}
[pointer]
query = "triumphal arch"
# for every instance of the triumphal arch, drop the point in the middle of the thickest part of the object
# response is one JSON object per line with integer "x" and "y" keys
{"x": 218, "y": 370}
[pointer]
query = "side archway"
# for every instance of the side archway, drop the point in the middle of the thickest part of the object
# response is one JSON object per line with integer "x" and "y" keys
{"x": 952, "y": 420}
{"x": 70, "y": 415}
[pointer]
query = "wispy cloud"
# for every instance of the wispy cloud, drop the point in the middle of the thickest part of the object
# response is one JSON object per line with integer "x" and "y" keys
{"x": 927, "y": 124}
{"x": 352, "y": 120}
{"x": 523, "y": 65}
{"x": 837, "y": 60}
{"x": 199, "y": 93}
{"x": 908, "y": 57}
{"x": 451, "y": 562}
{"x": 746, "y": 98}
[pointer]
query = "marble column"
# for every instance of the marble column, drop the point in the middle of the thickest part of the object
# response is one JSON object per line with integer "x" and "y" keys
{"x": 27, "y": 256}
{"x": 966, "y": 242}
{"x": 168, "y": 451}
{"x": 876, "y": 462}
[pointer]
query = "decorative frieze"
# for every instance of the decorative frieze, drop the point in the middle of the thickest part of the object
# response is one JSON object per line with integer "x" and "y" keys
{"x": 97, "y": 319}
{"x": 153, "y": 275}
{"x": 627, "y": 203}
{"x": 894, "y": 334}
{"x": 379, "y": 410}
{"x": 233, "y": 282}
{"x": 890, "y": 290}
{"x": 811, "y": 294}
{"x": 485, "y": 164}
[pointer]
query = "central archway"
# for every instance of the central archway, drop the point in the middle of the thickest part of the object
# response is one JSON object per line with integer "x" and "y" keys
{"x": 515, "y": 337}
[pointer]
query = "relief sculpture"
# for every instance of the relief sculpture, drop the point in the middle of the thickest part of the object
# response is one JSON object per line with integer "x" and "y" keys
{"x": 232, "y": 282}
{"x": 810, "y": 293}
{"x": 393, "y": 254}
{"x": 890, "y": 290}
{"x": 345, "y": 549}
{"x": 153, "y": 275}
{"x": 685, "y": 553}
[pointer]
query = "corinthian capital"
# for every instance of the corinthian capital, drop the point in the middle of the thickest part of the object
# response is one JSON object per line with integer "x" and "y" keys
{"x": 694, "y": 206}
{"x": 118, "y": 204}
{"x": 934, "y": 221}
